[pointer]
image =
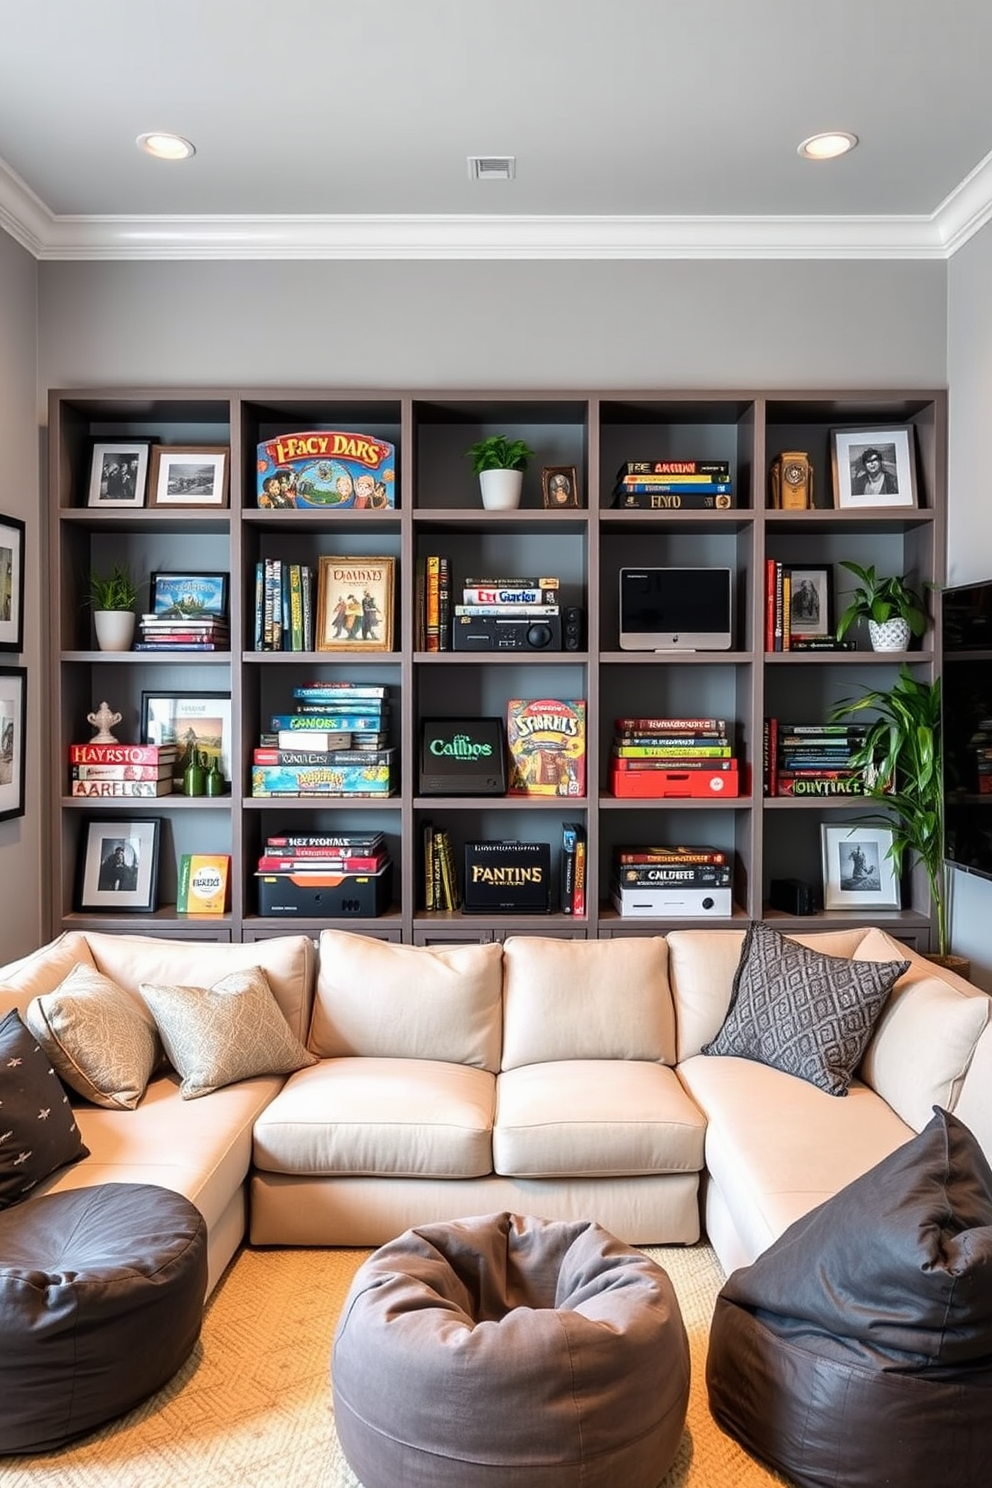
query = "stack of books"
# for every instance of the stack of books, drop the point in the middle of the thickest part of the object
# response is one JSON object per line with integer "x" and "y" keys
{"x": 284, "y": 606}
{"x": 813, "y": 759}
{"x": 496, "y": 613}
{"x": 325, "y": 874}
{"x": 432, "y": 603}
{"x": 333, "y": 744}
{"x": 121, "y": 769}
{"x": 205, "y": 631}
{"x": 440, "y": 878}
{"x": 672, "y": 881}
{"x": 655, "y": 757}
{"x": 674, "y": 485}
{"x": 322, "y": 853}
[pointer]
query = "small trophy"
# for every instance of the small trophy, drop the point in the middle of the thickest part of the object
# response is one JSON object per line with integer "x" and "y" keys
{"x": 791, "y": 480}
{"x": 103, "y": 720}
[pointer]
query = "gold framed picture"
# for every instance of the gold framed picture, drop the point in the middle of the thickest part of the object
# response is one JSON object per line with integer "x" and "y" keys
{"x": 559, "y": 486}
{"x": 355, "y": 603}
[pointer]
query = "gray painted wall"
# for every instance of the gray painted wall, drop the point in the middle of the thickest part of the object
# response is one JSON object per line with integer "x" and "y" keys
{"x": 20, "y": 838}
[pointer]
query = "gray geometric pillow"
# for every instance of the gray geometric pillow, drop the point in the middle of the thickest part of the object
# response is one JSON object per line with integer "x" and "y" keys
{"x": 101, "y": 1039}
{"x": 231, "y": 1031}
{"x": 802, "y": 1012}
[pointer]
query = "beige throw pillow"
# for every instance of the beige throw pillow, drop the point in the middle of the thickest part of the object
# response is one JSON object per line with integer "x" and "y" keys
{"x": 230, "y": 1031}
{"x": 100, "y": 1038}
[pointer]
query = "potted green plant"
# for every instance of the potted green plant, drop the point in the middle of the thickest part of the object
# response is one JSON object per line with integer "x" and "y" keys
{"x": 893, "y": 609}
{"x": 500, "y": 463}
{"x": 901, "y": 755}
{"x": 112, "y": 597}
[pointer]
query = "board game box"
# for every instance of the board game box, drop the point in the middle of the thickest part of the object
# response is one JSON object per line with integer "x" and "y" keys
{"x": 327, "y": 468}
{"x": 546, "y": 744}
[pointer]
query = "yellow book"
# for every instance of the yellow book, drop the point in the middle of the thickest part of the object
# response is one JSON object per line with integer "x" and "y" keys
{"x": 203, "y": 883}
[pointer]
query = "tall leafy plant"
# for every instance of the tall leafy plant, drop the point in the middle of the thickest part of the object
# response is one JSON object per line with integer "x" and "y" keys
{"x": 901, "y": 754}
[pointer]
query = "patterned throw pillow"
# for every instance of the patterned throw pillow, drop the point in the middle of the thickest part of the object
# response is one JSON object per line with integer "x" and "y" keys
{"x": 38, "y": 1131}
{"x": 101, "y": 1039}
{"x": 231, "y": 1031}
{"x": 802, "y": 1012}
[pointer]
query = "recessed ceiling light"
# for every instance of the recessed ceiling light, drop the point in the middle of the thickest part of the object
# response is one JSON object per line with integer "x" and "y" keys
{"x": 165, "y": 146}
{"x": 827, "y": 146}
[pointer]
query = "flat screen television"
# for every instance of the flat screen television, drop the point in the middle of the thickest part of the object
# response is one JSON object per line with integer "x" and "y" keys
{"x": 966, "y": 725}
{"x": 676, "y": 609}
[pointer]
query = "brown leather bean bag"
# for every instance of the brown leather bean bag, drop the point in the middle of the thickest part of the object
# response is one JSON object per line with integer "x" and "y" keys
{"x": 101, "y": 1298}
{"x": 857, "y": 1350}
{"x": 508, "y": 1350}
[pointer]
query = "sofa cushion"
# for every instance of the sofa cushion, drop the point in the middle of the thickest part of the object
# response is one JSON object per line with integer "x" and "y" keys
{"x": 590, "y": 1118}
{"x": 390, "y": 1001}
{"x": 418, "y": 1118}
{"x": 38, "y": 1131}
{"x": 42, "y": 970}
{"x": 586, "y": 999}
{"x": 101, "y": 1039}
{"x": 802, "y": 1012}
{"x": 923, "y": 1043}
{"x": 230, "y": 1031}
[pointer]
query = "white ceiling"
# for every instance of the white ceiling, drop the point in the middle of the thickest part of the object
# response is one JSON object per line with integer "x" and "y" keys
{"x": 641, "y": 128}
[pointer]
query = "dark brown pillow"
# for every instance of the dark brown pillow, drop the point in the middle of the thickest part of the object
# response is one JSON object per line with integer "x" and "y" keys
{"x": 38, "y": 1131}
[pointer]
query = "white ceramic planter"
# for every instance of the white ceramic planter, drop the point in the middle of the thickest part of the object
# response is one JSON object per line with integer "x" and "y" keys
{"x": 114, "y": 629}
{"x": 889, "y": 635}
{"x": 501, "y": 489}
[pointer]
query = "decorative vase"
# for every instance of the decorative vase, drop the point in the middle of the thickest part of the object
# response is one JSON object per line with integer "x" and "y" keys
{"x": 114, "y": 629}
{"x": 501, "y": 489}
{"x": 889, "y": 635}
{"x": 194, "y": 775}
{"x": 214, "y": 784}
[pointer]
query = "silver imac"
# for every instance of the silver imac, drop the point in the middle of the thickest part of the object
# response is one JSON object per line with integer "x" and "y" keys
{"x": 676, "y": 609}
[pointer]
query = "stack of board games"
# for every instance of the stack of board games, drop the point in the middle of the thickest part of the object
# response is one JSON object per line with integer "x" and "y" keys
{"x": 498, "y": 614}
{"x": 124, "y": 770}
{"x": 331, "y": 469}
{"x": 546, "y": 746}
{"x": 205, "y": 632}
{"x": 674, "y": 485}
{"x": 284, "y": 606}
{"x": 814, "y": 759}
{"x": 671, "y": 757}
{"x": 664, "y": 881}
{"x": 324, "y": 874}
{"x": 333, "y": 744}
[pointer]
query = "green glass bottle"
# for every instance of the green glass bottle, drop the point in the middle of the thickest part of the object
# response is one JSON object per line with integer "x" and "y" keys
{"x": 194, "y": 775}
{"x": 215, "y": 781}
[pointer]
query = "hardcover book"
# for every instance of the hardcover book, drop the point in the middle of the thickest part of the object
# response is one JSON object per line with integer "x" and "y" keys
{"x": 546, "y": 745}
{"x": 203, "y": 881}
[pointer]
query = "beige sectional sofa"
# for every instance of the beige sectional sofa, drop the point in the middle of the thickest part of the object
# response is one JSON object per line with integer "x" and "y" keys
{"x": 560, "y": 1078}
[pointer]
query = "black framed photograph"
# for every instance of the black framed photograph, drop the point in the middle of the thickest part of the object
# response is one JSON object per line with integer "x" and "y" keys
{"x": 13, "y": 754}
{"x": 355, "y": 603}
{"x": 11, "y": 584}
{"x": 195, "y": 475}
{"x": 858, "y": 871}
{"x": 559, "y": 486}
{"x": 188, "y": 594}
{"x": 811, "y": 594}
{"x": 119, "y": 473}
{"x": 873, "y": 467}
{"x": 118, "y": 865}
{"x": 193, "y": 721}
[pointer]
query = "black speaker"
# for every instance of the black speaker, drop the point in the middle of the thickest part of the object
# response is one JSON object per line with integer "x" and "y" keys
{"x": 793, "y": 896}
{"x": 573, "y": 628}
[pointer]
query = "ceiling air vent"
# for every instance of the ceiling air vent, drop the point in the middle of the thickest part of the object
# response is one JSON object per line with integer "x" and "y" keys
{"x": 492, "y": 167}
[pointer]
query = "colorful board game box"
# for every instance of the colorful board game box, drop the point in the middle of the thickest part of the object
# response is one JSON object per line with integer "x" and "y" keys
{"x": 321, "y": 780}
{"x": 330, "y": 469}
{"x": 546, "y": 741}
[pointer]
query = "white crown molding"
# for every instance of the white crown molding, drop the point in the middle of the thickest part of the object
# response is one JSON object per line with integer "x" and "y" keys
{"x": 49, "y": 237}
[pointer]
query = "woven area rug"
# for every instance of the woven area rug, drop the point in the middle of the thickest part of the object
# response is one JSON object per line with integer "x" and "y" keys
{"x": 252, "y": 1406}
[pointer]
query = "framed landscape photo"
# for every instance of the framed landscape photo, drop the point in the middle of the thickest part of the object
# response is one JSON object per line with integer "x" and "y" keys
{"x": 811, "y": 594}
{"x": 188, "y": 594}
{"x": 119, "y": 473}
{"x": 190, "y": 720}
{"x": 873, "y": 467}
{"x": 13, "y": 754}
{"x": 857, "y": 869}
{"x": 559, "y": 486}
{"x": 355, "y": 604}
{"x": 118, "y": 865}
{"x": 196, "y": 475}
{"x": 11, "y": 584}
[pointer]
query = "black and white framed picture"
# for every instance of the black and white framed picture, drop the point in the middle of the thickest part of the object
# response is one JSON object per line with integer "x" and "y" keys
{"x": 873, "y": 467}
{"x": 193, "y": 476}
{"x": 13, "y": 754}
{"x": 11, "y": 584}
{"x": 810, "y": 600}
{"x": 119, "y": 473}
{"x": 858, "y": 871}
{"x": 118, "y": 865}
